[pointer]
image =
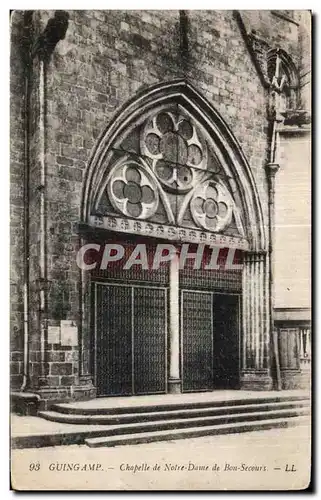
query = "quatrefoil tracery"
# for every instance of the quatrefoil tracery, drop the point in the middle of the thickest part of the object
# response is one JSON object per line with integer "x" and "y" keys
{"x": 212, "y": 207}
{"x": 132, "y": 190}
{"x": 172, "y": 143}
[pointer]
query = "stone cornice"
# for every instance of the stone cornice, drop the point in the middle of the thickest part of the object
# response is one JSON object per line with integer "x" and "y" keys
{"x": 296, "y": 117}
{"x": 293, "y": 130}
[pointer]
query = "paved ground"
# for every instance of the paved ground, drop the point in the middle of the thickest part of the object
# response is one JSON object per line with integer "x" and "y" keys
{"x": 274, "y": 459}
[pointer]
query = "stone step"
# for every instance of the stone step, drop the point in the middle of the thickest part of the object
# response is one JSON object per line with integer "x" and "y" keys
{"x": 192, "y": 432}
{"x": 102, "y": 419}
{"x": 68, "y": 433}
{"x": 134, "y": 407}
{"x": 202, "y": 421}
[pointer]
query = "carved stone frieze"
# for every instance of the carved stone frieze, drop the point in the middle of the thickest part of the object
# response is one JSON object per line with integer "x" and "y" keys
{"x": 144, "y": 228}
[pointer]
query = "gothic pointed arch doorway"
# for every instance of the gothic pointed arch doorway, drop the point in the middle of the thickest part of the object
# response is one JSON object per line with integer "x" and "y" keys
{"x": 168, "y": 171}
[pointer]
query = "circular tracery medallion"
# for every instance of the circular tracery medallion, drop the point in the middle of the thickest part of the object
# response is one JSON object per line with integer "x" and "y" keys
{"x": 212, "y": 206}
{"x": 131, "y": 190}
{"x": 175, "y": 147}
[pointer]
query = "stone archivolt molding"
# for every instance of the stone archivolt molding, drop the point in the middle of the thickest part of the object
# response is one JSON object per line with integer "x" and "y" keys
{"x": 184, "y": 157}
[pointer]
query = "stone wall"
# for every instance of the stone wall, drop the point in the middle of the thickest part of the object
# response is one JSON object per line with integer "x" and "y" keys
{"x": 293, "y": 222}
{"x": 17, "y": 87}
{"x": 105, "y": 58}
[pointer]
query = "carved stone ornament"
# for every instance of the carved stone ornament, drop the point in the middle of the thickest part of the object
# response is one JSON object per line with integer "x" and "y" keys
{"x": 212, "y": 206}
{"x": 176, "y": 149}
{"x": 166, "y": 232}
{"x": 131, "y": 189}
{"x": 260, "y": 50}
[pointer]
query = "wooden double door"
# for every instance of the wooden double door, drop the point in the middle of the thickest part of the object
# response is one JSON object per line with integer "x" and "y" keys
{"x": 131, "y": 339}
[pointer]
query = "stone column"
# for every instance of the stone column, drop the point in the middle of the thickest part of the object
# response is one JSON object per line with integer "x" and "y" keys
{"x": 255, "y": 373}
{"x": 174, "y": 381}
{"x": 271, "y": 170}
{"x": 86, "y": 388}
{"x": 43, "y": 271}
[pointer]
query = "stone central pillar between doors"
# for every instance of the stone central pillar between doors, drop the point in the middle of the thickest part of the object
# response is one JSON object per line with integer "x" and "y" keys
{"x": 174, "y": 380}
{"x": 256, "y": 359}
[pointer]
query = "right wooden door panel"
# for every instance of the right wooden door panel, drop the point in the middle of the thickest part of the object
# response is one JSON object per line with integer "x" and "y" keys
{"x": 226, "y": 341}
{"x": 209, "y": 341}
{"x": 197, "y": 341}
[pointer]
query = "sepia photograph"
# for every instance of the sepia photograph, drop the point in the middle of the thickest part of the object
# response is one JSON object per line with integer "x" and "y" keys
{"x": 160, "y": 250}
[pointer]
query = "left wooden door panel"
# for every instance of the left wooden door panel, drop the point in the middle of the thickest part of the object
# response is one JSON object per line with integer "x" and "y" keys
{"x": 113, "y": 340}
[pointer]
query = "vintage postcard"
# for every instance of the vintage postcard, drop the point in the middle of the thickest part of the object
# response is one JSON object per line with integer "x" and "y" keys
{"x": 160, "y": 191}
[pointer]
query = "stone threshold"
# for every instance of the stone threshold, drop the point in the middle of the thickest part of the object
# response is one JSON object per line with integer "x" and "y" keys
{"x": 163, "y": 399}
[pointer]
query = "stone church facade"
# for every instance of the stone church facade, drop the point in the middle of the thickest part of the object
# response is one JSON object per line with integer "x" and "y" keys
{"x": 158, "y": 128}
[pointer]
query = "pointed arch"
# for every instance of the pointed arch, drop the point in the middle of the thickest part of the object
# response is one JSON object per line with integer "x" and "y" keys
{"x": 183, "y": 93}
{"x": 283, "y": 76}
{"x": 288, "y": 65}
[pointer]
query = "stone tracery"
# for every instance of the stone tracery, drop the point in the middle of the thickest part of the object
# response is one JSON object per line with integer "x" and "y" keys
{"x": 211, "y": 206}
{"x": 175, "y": 147}
{"x": 131, "y": 190}
{"x": 172, "y": 158}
